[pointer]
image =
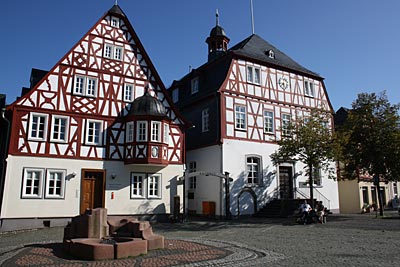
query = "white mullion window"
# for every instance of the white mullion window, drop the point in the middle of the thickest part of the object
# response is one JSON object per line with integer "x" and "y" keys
{"x": 59, "y": 130}
{"x": 253, "y": 166}
{"x": 166, "y": 133}
{"x": 32, "y": 185}
{"x": 268, "y": 121}
{"x": 114, "y": 22}
{"x": 309, "y": 88}
{"x": 253, "y": 75}
{"x": 285, "y": 124}
{"x": 38, "y": 126}
{"x": 93, "y": 132}
{"x": 130, "y": 131}
{"x": 192, "y": 180}
{"x": 108, "y": 51}
{"x": 79, "y": 85}
{"x": 240, "y": 117}
{"x": 128, "y": 92}
{"x": 154, "y": 186}
{"x": 91, "y": 86}
{"x": 205, "y": 120}
{"x": 156, "y": 131}
{"x": 118, "y": 51}
{"x": 141, "y": 131}
{"x": 137, "y": 185}
{"x": 55, "y": 181}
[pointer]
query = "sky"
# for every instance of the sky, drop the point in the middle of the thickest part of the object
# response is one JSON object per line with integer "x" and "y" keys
{"x": 353, "y": 44}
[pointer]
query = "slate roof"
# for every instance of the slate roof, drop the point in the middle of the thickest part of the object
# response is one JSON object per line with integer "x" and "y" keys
{"x": 117, "y": 11}
{"x": 257, "y": 48}
{"x": 147, "y": 105}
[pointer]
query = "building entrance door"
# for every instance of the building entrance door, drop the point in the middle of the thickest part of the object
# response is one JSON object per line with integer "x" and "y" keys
{"x": 285, "y": 182}
{"x": 92, "y": 190}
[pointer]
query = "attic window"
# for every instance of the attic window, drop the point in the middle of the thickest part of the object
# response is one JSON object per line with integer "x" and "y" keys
{"x": 270, "y": 53}
{"x": 114, "y": 22}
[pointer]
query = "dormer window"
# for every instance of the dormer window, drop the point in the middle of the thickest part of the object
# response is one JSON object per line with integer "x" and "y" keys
{"x": 194, "y": 85}
{"x": 270, "y": 53}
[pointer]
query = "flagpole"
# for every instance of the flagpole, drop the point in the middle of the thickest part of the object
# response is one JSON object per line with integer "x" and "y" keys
{"x": 252, "y": 16}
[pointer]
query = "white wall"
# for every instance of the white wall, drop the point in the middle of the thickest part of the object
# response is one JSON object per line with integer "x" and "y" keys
{"x": 16, "y": 207}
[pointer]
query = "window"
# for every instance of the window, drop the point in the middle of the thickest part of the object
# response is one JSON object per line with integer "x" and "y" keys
{"x": 38, "y": 126}
{"x": 128, "y": 92}
{"x": 59, "y": 131}
{"x": 317, "y": 176}
{"x": 309, "y": 88}
{"x": 192, "y": 180}
{"x": 32, "y": 183}
{"x": 156, "y": 131}
{"x": 86, "y": 86}
{"x": 141, "y": 131}
{"x": 253, "y": 165}
{"x": 137, "y": 180}
{"x": 113, "y": 51}
{"x": 114, "y": 22}
{"x": 175, "y": 95}
{"x": 93, "y": 132}
{"x": 365, "y": 195}
{"x": 205, "y": 123}
{"x": 166, "y": 133}
{"x": 285, "y": 124}
{"x": 55, "y": 183}
{"x": 195, "y": 85}
{"x": 253, "y": 75}
{"x": 271, "y": 54}
{"x": 154, "y": 186}
{"x": 240, "y": 117}
{"x": 268, "y": 121}
{"x": 129, "y": 131}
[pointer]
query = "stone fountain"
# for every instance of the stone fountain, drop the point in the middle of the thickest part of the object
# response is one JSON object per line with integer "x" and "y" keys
{"x": 96, "y": 236}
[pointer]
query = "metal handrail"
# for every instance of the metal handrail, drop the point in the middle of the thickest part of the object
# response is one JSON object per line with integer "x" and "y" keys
{"x": 318, "y": 195}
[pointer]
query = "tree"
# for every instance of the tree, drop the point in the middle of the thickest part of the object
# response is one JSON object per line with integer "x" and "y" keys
{"x": 370, "y": 140}
{"x": 311, "y": 142}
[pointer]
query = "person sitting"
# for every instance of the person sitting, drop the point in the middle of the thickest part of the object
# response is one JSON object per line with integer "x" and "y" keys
{"x": 320, "y": 212}
{"x": 305, "y": 210}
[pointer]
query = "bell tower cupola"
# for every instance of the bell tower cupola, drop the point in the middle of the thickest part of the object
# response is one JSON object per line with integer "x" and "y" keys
{"x": 217, "y": 41}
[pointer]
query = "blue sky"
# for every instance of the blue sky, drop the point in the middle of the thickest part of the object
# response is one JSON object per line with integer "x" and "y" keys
{"x": 354, "y": 44}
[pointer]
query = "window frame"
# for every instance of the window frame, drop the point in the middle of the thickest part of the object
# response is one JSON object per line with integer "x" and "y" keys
{"x": 270, "y": 121}
{"x": 130, "y": 132}
{"x": 116, "y": 20}
{"x": 309, "y": 88}
{"x": 285, "y": 124}
{"x": 253, "y": 74}
{"x": 244, "y": 126}
{"x": 158, "y": 186}
{"x": 84, "y": 86}
{"x": 259, "y": 176}
{"x": 52, "y": 132}
{"x": 166, "y": 133}
{"x": 100, "y": 137}
{"x": 193, "y": 179}
{"x": 126, "y": 86}
{"x": 45, "y": 126}
{"x": 205, "y": 120}
{"x": 138, "y": 129}
{"x": 155, "y": 136}
{"x": 110, "y": 52}
{"x": 62, "y": 186}
{"x": 194, "y": 85}
{"x": 39, "y": 195}
{"x": 141, "y": 187}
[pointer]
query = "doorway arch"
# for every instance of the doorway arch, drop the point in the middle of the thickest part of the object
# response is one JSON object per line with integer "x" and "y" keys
{"x": 252, "y": 193}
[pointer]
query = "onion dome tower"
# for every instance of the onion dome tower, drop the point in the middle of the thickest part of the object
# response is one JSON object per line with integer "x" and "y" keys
{"x": 217, "y": 41}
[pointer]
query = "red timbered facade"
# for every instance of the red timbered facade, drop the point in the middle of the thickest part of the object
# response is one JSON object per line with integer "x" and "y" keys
{"x": 76, "y": 126}
{"x": 241, "y": 101}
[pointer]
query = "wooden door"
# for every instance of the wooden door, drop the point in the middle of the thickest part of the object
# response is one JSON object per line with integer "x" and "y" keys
{"x": 285, "y": 183}
{"x": 92, "y": 190}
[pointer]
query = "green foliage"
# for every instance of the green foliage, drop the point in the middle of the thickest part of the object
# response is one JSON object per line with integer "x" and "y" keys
{"x": 370, "y": 138}
{"x": 311, "y": 142}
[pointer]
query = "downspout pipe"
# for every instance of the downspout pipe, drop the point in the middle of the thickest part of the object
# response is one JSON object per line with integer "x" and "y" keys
{"x": 4, "y": 154}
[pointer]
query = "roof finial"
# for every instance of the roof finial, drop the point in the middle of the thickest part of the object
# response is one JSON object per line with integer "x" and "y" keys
{"x": 116, "y": 3}
{"x": 217, "y": 17}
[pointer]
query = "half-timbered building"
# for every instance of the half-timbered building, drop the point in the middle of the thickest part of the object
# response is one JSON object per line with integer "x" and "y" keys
{"x": 240, "y": 102}
{"x": 97, "y": 130}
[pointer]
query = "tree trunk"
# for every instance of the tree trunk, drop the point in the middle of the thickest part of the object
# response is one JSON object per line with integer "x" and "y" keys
{"x": 310, "y": 177}
{"x": 380, "y": 200}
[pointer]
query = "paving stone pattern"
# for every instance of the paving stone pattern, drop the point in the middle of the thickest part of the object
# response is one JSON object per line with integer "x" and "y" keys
{"x": 356, "y": 240}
